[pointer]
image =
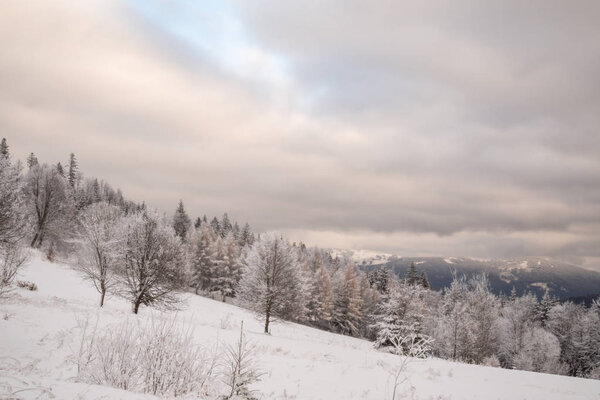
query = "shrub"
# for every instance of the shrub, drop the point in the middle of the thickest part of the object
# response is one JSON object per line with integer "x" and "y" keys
{"x": 157, "y": 357}
{"x": 27, "y": 285}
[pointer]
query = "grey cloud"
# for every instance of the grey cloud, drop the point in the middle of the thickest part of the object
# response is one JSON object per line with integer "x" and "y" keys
{"x": 456, "y": 128}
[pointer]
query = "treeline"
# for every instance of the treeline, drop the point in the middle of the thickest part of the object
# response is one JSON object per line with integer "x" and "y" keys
{"x": 125, "y": 249}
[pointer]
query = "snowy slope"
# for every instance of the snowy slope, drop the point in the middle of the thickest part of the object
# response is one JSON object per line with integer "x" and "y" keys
{"x": 39, "y": 334}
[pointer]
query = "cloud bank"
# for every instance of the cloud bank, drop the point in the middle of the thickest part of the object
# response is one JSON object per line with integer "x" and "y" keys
{"x": 451, "y": 128}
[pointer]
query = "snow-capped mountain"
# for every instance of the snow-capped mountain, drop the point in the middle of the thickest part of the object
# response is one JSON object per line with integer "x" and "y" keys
{"x": 535, "y": 274}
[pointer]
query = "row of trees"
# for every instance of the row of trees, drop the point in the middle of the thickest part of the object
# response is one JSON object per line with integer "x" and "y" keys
{"x": 128, "y": 250}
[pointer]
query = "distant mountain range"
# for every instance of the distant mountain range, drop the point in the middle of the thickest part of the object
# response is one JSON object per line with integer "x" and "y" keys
{"x": 534, "y": 274}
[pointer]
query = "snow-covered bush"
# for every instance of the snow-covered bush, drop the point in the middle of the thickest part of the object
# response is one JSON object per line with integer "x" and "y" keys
{"x": 158, "y": 357}
{"x": 12, "y": 258}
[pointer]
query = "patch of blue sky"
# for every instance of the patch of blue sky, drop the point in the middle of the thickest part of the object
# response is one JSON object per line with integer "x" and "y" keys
{"x": 214, "y": 28}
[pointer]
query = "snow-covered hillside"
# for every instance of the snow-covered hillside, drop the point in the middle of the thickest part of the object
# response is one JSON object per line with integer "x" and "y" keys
{"x": 39, "y": 335}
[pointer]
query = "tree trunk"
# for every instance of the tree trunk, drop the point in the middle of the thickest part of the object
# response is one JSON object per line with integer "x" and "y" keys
{"x": 136, "y": 306}
{"x": 102, "y": 294}
{"x": 267, "y": 317}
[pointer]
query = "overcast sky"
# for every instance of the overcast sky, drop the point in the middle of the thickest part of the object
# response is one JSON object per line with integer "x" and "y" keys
{"x": 417, "y": 128}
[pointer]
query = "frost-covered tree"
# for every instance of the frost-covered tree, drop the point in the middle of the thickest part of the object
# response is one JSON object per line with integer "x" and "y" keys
{"x": 73, "y": 170}
{"x": 482, "y": 310}
{"x": 216, "y": 226}
{"x": 181, "y": 221}
{"x": 4, "y": 148}
{"x": 401, "y": 318}
{"x": 12, "y": 211}
{"x": 101, "y": 242}
{"x": 517, "y": 318}
{"x": 231, "y": 267}
{"x": 226, "y": 226}
{"x": 271, "y": 284}
{"x": 197, "y": 223}
{"x": 202, "y": 259}
{"x": 380, "y": 279}
{"x": 153, "y": 263}
{"x": 347, "y": 303}
{"x": 319, "y": 299}
{"x": 578, "y": 332}
{"x": 452, "y": 331}
{"x": 47, "y": 202}
{"x": 13, "y": 220}
{"x": 32, "y": 161}
{"x": 412, "y": 276}
{"x": 539, "y": 352}
{"x": 246, "y": 236}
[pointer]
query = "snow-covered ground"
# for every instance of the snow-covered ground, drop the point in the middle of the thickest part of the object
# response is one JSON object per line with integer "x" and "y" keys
{"x": 39, "y": 336}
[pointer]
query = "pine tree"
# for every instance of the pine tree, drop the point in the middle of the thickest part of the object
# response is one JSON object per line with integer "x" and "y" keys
{"x": 73, "y": 169}
{"x": 4, "y": 149}
{"x": 32, "y": 161}
{"x": 181, "y": 221}
{"x": 197, "y": 223}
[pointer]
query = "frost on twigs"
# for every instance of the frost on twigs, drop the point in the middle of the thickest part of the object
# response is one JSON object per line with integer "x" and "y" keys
{"x": 157, "y": 357}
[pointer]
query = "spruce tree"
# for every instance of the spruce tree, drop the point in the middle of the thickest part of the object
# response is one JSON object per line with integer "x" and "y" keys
{"x": 412, "y": 276}
{"x": 4, "y": 149}
{"x": 216, "y": 226}
{"x": 73, "y": 169}
{"x": 425, "y": 281}
{"x": 226, "y": 226}
{"x": 60, "y": 169}
{"x": 197, "y": 223}
{"x": 32, "y": 161}
{"x": 181, "y": 221}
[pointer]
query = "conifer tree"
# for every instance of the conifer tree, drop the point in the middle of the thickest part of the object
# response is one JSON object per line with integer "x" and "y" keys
{"x": 246, "y": 236}
{"x": 4, "y": 149}
{"x": 412, "y": 276}
{"x": 32, "y": 161}
{"x": 197, "y": 223}
{"x": 216, "y": 226}
{"x": 181, "y": 221}
{"x": 203, "y": 275}
{"x": 347, "y": 302}
{"x": 425, "y": 281}
{"x": 60, "y": 169}
{"x": 73, "y": 169}
{"x": 226, "y": 226}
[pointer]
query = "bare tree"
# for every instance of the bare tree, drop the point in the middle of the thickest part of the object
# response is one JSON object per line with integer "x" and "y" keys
{"x": 102, "y": 237}
{"x": 153, "y": 263}
{"x": 271, "y": 283}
